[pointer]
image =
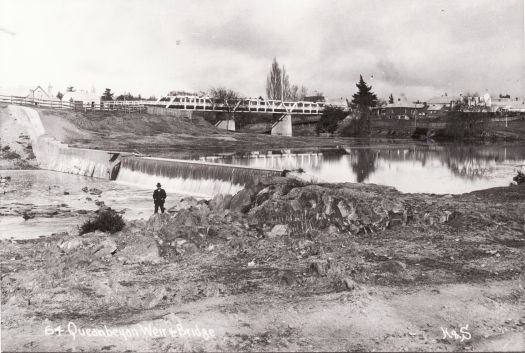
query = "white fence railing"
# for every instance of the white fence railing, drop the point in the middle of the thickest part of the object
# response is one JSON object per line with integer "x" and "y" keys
{"x": 240, "y": 105}
{"x": 127, "y": 106}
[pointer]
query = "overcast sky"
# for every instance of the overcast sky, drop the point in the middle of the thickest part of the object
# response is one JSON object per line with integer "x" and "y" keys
{"x": 406, "y": 47}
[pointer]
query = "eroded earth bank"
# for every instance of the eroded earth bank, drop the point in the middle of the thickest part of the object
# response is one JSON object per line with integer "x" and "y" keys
{"x": 280, "y": 266}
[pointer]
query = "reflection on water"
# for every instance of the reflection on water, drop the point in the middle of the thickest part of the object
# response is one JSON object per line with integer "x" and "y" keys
{"x": 439, "y": 169}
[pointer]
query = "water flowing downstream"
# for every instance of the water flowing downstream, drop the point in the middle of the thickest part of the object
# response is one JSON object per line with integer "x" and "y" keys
{"x": 190, "y": 177}
{"x": 52, "y": 154}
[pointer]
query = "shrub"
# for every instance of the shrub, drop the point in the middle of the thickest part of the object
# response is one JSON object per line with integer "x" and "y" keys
{"x": 107, "y": 220}
{"x": 11, "y": 155}
{"x": 520, "y": 178}
{"x": 330, "y": 119}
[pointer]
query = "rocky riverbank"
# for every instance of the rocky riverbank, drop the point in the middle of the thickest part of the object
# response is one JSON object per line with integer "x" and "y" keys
{"x": 280, "y": 266}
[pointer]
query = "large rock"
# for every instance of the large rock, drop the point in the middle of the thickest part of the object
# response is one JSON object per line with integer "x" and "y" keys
{"x": 106, "y": 247}
{"x": 279, "y": 230}
{"x": 139, "y": 249}
{"x": 157, "y": 221}
{"x": 71, "y": 244}
{"x": 184, "y": 204}
{"x": 242, "y": 201}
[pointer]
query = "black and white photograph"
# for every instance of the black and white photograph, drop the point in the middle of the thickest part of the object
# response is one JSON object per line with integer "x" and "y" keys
{"x": 262, "y": 175}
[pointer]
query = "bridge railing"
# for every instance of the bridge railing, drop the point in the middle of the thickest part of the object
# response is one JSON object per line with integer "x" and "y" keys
{"x": 239, "y": 105}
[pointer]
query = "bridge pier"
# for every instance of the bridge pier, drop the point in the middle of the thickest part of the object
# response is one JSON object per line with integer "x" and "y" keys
{"x": 283, "y": 126}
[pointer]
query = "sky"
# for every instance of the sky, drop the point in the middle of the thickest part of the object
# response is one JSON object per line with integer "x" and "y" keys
{"x": 411, "y": 48}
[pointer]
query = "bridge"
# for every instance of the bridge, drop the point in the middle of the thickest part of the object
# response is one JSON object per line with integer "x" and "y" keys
{"x": 283, "y": 110}
{"x": 246, "y": 105}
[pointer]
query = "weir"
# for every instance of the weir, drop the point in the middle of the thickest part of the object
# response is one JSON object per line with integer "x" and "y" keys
{"x": 190, "y": 177}
{"x": 180, "y": 176}
{"x": 52, "y": 154}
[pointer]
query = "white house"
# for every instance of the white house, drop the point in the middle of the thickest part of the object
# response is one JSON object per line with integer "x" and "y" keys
{"x": 38, "y": 94}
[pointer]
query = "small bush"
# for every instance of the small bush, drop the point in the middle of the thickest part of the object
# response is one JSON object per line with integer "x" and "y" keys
{"x": 520, "y": 178}
{"x": 106, "y": 221}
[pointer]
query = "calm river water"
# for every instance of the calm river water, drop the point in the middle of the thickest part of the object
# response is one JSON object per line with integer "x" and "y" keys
{"x": 421, "y": 168}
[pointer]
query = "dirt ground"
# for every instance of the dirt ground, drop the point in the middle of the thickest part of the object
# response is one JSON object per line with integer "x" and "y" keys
{"x": 283, "y": 266}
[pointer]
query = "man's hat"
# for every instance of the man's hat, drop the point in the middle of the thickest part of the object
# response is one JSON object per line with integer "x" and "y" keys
{"x": 158, "y": 185}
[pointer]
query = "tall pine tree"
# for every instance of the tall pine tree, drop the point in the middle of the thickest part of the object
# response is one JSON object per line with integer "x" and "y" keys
{"x": 391, "y": 99}
{"x": 364, "y": 98}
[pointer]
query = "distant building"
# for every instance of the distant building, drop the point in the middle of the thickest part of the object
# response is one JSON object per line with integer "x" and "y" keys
{"x": 315, "y": 99}
{"x": 38, "y": 94}
{"x": 87, "y": 98}
{"x": 439, "y": 106}
{"x": 402, "y": 111}
{"x": 503, "y": 104}
{"x": 337, "y": 102}
{"x": 494, "y": 104}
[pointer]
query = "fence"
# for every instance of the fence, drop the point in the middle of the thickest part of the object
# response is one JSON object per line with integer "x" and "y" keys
{"x": 126, "y": 106}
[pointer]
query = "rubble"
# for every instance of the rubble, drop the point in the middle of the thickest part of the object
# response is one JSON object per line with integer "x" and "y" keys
{"x": 279, "y": 239}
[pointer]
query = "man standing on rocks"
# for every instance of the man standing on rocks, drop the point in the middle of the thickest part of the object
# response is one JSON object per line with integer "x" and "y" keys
{"x": 159, "y": 195}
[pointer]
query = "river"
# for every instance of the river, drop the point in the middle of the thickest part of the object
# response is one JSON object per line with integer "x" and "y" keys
{"x": 411, "y": 168}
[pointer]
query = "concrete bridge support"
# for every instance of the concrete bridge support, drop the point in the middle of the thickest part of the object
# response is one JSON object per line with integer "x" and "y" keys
{"x": 228, "y": 125}
{"x": 283, "y": 126}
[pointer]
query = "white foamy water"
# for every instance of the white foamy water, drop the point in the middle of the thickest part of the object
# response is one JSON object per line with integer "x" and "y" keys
{"x": 195, "y": 187}
{"x": 189, "y": 177}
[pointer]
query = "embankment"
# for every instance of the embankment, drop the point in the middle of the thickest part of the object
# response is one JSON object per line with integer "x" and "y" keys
{"x": 459, "y": 126}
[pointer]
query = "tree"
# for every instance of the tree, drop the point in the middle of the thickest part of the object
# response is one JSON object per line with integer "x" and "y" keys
{"x": 364, "y": 99}
{"x": 60, "y": 95}
{"x": 274, "y": 81}
{"x": 294, "y": 93}
{"x": 303, "y": 92}
{"x": 70, "y": 89}
{"x": 107, "y": 96}
{"x": 391, "y": 99}
{"x": 226, "y": 97}
{"x": 127, "y": 97}
{"x": 330, "y": 119}
{"x": 278, "y": 86}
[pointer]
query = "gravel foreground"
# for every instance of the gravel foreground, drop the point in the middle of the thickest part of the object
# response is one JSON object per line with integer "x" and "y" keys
{"x": 281, "y": 266}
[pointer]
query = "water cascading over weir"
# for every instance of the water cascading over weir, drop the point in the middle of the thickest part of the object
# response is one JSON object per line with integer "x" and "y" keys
{"x": 52, "y": 154}
{"x": 191, "y": 177}
{"x": 202, "y": 179}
